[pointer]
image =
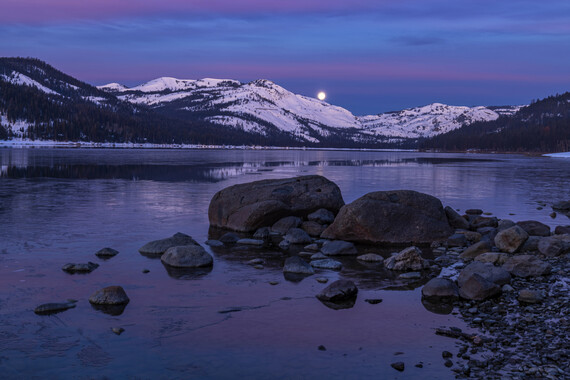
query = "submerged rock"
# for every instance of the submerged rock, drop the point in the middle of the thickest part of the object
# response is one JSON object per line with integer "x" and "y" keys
{"x": 106, "y": 253}
{"x": 80, "y": 268}
{"x": 187, "y": 256}
{"x": 393, "y": 217}
{"x": 54, "y": 307}
{"x": 338, "y": 248}
{"x": 326, "y": 264}
{"x": 295, "y": 264}
{"x": 246, "y": 207}
{"x": 338, "y": 291}
{"x": 371, "y": 258}
{"x": 158, "y": 247}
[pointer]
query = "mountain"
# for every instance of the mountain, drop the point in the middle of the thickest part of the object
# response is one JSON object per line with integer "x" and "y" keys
{"x": 262, "y": 107}
{"x": 542, "y": 126}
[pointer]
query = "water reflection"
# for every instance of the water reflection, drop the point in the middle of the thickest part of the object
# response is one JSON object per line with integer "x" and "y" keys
{"x": 187, "y": 273}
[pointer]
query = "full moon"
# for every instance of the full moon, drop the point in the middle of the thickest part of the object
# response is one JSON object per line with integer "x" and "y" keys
{"x": 321, "y": 95}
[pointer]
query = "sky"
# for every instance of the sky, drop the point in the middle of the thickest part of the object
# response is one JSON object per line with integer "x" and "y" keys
{"x": 369, "y": 56}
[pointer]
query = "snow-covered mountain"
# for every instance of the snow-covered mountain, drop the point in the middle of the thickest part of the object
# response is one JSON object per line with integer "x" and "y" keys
{"x": 262, "y": 107}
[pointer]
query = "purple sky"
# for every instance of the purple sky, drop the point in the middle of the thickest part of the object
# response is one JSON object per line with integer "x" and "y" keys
{"x": 369, "y": 56}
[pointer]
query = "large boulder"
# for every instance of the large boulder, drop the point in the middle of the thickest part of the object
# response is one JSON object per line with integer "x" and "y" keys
{"x": 511, "y": 239}
{"x": 488, "y": 271}
{"x": 527, "y": 266}
{"x": 476, "y": 287}
{"x": 285, "y": 224}
{"x": 392, "y": 217}
{"x": 187, "y": 256}
{"x": 534, "y": 228}
{"x": 475, "y": 250}
{"x": 554, "y": 245}
{"x": 158, "y": 247}
{"x": 409, "y": 259}
{"x": 248, "y": 206}
{"x": 456, "y": 220}
{"x": 440, "y": 289}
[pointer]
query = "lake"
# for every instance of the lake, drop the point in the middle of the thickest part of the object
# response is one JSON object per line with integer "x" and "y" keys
{"x": 63, "y": 205}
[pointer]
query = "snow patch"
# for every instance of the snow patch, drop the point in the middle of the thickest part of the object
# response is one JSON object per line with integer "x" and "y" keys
{"x": 21, "y": 79}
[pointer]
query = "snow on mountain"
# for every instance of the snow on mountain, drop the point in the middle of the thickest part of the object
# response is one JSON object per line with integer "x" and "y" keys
{"x": 428, "y": 121}
{"x": 262, "y": 107}
{"x": 21, "y": 79}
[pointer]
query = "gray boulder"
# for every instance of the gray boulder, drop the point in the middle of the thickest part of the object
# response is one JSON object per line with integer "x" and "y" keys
{"x": 295, "y": 264}
{"x": 392, "y": 217}
{"x": 526, "y": 266}
{"x": 111, "y": 295}
{"x": 456, "y": 220}
{"x": 187, "y": 256}
{"x": 511, "y": 239}
{"x": 338, "y": 291}
{"x": 297, "y": 236}
{"x": 326, "y": 264}
{"x": 476, "y": 287}
{"x": 285, "y": 224}
{"x": 321, "y": 216}
{"x": 440, "y": 289}
{"x": 553, "y": 246}
{"x": 531, "y": 244}
{"x": 338, "y": 248}
{"x": 409, "y": 259}
{"x": 158, "y": 247}
{"x": 248, "y": 206}
{"x": 475, "y": 250}
{"x": 488, "y": 271}
{"x": 313, "y": 228}
{"x": 534, "y": 228}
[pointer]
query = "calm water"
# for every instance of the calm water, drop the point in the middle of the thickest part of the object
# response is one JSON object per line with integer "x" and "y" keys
{"x": 62, "y": 205}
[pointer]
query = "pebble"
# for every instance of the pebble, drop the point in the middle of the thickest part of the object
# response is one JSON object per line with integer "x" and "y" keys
{"x": 398, "y": 366}
{"x": 118, "y": 330}
{"x": 322, "y": 280}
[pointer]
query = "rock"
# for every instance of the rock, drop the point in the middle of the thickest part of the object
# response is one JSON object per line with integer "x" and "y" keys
{"x": 555, "y": 245}
{"x": 410, "y": 276}
{"x": 507, "y": 288}
{"x": 534, "y": 228}
{"x": 80, "y": 268}
{"x": 306, "y": 254}
{"x": 457, "y": 240}
{"x": 146, "y": 271}
{"x": 373, "y": 301}
{"x": 284, "y": 245}
{"x": 273, "y": 282}
{"x": 318, "y": 256}
{"x": 530, "y": 296}
{"x": 488, "y": 271}
{"x": 246, "y": 207}
{"x": 295, "y": 264}
{"x": 526, "y": 266}
{"x": 321, "y": 348}
{"x": 257, "y": 261}
{"x": 158, "y": 247}
{"x": 111, "y": 295}
{"x": 54, "y": 307}
{"x": 409, "y": 259}
{"x": 511, "y": 239}
{"x": 504, "y": 224}
{"x": 246, "y": 241}
{"x": 488, "y": 232}
{"x": 229, "y": 238}
{"x": 285, "y": 224}
{"x": 531, "y": 244}
{"x": 475, "y": 250}
{"x": 338, "y": 248}
{"x": 322, "y": 280}
{"x": 326, "y": 264}
{"x": 398, "y": 366}
{"x": 311, "y": 247}
{"x": 214, "y": 243}
{"x": 321, "y": 216}
{"x": 263, "y": 233}
{"x": 338, "y": 291}
{"x": 474, "y": 211}
{"x": 475, "y": 287}
{"x": 562, "y": 230}
{"x": 472, "y": 236}
{"x": 392, "y": 217}
{"x": 446, "y": 354}
{"x": 297, "y": 236}
{"x": 187, "y": 256}
{"x": 456, "y": 220}
{"x": 313, "y": 228}
{"x": 371, "y": 258}
{"x": 106, "y": 253}
{"x": 117, "y": 330}
{"x": 440, "y": 289}
{"x": 492, "y": 257}
{"x": 562, "y": 205}
{"x": 484, "y": 221}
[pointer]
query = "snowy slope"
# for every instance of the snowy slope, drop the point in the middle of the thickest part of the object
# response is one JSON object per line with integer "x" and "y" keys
{"x": 21, "y": 79}
{"x": 263, "y": 107}
{"x": 428, "y": 121}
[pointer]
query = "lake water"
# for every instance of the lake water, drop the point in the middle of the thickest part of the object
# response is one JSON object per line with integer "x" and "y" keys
{"x": 63, "y": 205}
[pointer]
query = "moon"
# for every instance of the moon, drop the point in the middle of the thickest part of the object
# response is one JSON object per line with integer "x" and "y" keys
{"x": 321, "y": 95}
